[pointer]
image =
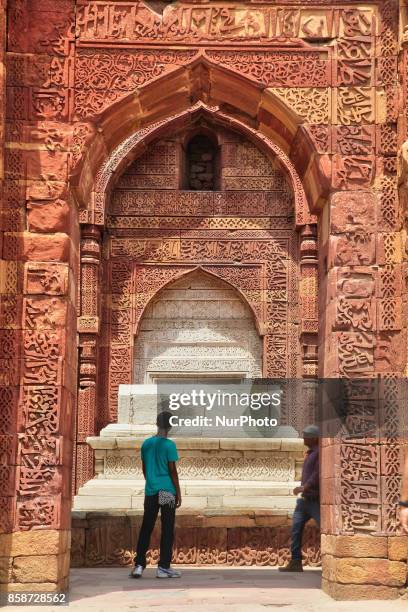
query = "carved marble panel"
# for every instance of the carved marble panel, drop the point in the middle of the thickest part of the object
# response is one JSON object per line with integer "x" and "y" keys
{"x": 197, "y": 300}
{"x": 266, "y": 468}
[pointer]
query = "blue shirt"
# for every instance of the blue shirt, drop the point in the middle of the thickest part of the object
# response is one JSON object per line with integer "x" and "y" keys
{"x": 156, "y": 453}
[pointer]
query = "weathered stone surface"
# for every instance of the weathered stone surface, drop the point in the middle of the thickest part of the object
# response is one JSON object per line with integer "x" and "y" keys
{"x": 46, "y": 279}
{"x": 370, "y": 571}
{"x": 48, "y": 165}
{"x": 41, "y": 568}
{"x": 234, "y": 521}
{"x": 357, "y": 592}
{"x": 398, "y": 548}
{"x": 37, "y": 247}
{"x": 48, "y": 217}
{"x": 355, "y": 546}
{"x": 49, "y": 542}
{"x": 353, "y": 209}
{"x": 6, "y": 565}
{"x": 328, "y": 566}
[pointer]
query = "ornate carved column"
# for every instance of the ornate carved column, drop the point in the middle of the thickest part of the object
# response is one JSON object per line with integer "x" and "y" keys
{"x": 308, "y": 299}
{"x": 88, "y": 329}
{"x": 308, "y": 312}
{"x": 363, "y": 334}
{"x": 403, "y": 146}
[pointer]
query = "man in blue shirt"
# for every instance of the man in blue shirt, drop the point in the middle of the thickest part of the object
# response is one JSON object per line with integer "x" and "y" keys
{"x": 162, "y": 492}
{"x": 308, "y": 505}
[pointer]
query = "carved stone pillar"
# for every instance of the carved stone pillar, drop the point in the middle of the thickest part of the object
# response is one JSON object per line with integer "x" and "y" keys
{"x": 88, "y": 329}
{"x": 37, "y": 292}
{"x": 10, "y": 318}
{"x": 308, "y": 299}
{"x": 360, "y": 309}
{"x": 364, "y": 339}
{"x": 308, "y": 294}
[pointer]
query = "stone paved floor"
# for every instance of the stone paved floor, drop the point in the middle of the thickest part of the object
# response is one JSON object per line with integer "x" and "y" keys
{"x": 208, "y": 589}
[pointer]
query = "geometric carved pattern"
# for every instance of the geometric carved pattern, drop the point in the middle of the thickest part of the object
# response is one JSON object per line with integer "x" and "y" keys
{"x": 279, "y": 68}
{"x": 104, "y": 77}
{"x": 213, "y": 468}
{"x": 389, "y": 202}
{"x": 7, "y": 407}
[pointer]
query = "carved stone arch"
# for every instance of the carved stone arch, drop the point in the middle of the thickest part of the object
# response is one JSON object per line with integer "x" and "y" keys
{"x": 165, "y": 100}
{"x": 100, "y": 360}
{"x": 173, "y": 274}
{"x": 135, "y": 144}
{"x": 188, "y": 298}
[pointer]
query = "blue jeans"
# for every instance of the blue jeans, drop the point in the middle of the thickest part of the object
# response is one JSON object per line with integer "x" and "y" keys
{"x": 305, "y": 510}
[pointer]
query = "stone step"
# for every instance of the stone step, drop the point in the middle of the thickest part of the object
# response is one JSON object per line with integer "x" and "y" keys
{"x": 195, "y": 503}
{"x": 100, "y": 494}
{"x": 191, "y": 488}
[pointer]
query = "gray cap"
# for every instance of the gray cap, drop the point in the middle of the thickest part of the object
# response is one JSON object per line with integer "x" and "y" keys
{"x": 311, "y": 431}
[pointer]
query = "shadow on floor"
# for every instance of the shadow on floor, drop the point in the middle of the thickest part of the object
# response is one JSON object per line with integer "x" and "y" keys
{"x": 88, "y": 582}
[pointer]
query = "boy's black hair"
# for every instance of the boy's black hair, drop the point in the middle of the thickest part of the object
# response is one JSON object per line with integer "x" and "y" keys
{"x": 163, "y": 420}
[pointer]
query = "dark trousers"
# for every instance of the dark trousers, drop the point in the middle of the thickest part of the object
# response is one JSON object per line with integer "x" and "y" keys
{"x": 305, "y": 510}
{"x": 167, "y": 515}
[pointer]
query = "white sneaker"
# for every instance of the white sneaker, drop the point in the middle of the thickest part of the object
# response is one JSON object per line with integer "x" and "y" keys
{"x": 136, "y": 572}
{"x": 169, "y": 572}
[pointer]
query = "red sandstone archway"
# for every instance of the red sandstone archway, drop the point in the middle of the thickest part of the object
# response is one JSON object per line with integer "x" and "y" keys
{"x": 40, "y": 115}
{"x": 93, "y": 217}
{"x": 47, "y": 66}
{"x": 199, "y": 84}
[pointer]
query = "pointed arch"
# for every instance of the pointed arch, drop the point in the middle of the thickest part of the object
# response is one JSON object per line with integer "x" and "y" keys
{"x": 222, "y": 308}
{"x": 210, "y": 271}
{"x": 168, "y": 102}
{"x": 136, "y": 144}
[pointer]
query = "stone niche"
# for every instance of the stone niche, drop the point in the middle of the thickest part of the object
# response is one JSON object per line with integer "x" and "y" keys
{"x": 197, "y": 325}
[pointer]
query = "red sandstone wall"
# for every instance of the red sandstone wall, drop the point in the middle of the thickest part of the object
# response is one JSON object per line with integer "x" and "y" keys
{"x": 82, "y": 78}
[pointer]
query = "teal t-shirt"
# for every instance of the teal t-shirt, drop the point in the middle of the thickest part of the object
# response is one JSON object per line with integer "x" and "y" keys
{"x": 156, "y": 453}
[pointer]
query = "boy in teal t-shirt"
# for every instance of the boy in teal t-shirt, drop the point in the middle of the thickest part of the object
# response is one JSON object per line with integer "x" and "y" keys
{"x": 157, "y": 453}
{"x": 162, "y": 492}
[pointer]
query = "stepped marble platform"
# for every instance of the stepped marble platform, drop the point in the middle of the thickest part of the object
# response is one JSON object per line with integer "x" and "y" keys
{"x": 214, "y": 473}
